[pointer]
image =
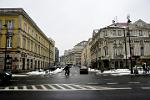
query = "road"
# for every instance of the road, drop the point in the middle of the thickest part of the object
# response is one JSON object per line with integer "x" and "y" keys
{"x": 77, "y": 87}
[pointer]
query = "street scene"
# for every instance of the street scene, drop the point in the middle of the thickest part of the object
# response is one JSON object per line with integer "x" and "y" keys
{"x": 94, "y": 85}
{"x": 74, "y": 50}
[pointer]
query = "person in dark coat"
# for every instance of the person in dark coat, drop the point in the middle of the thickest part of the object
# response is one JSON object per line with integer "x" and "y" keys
{"x": 67, "y": 70}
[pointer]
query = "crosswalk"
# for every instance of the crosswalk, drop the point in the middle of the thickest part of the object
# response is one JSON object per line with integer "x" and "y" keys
{"x": 48, "y": 87}
{"x": 56, "y": 87}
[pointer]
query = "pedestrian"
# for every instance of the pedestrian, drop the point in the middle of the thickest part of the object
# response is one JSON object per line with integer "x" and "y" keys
{"x": 144, "y": 68}
{"x": 67, "y": 70}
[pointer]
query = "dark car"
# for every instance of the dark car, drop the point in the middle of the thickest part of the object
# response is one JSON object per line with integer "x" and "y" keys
{"x": 5, "y": 76}
{"x": 83, "y": 70}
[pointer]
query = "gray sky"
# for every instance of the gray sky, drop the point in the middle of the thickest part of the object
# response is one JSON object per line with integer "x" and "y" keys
{"x": 69, "y": 22}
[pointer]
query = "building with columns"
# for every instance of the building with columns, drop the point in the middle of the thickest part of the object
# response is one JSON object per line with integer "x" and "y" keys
{"x": 110, "y": 46}
{"x": 23, "y": 45}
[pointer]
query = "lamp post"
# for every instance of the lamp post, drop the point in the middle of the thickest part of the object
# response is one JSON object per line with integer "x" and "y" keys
{"x": 128, "y": 34}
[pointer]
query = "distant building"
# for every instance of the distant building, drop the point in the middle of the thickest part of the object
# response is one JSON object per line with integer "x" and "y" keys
{"x": 56, "y": 56}
{"x": 23, "y": 46}
{"x": 86, "y": 54}
{"x": 73, "y": 56}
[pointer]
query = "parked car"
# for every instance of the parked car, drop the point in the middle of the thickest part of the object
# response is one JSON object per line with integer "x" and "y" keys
{"x": 5, "y": 76}
{"x": 83, "y": 70}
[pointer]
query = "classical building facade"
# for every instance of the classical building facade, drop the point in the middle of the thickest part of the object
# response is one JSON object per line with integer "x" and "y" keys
{"x": 111, "y": 45}
{"x": 73, "y": 56}
{"x": 86, "y": 54}
{"x": 23, "y": 46}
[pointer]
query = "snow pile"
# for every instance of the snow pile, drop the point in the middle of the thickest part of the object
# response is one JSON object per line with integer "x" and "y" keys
{"x": 116, "y": 72}
{"x": 58, "y": 70}
{"x": 39, "y": 72}
{"x": 36, "y": 72}
{"x": 19, "y": 75}
{"x": 92, "y": 70}
{"x": 47, "y": 72}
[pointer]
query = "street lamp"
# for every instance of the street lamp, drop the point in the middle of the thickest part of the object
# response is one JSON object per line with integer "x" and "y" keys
{"x": 128, "y": 34}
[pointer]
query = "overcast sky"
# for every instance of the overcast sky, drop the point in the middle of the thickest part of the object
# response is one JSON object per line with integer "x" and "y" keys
{"x": 69, "y": 22}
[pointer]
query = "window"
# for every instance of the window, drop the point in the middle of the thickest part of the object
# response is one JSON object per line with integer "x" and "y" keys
{"x": 119, "y": 33}
{"x": 9, "y": 42}
{"x": 0, "y": 26}
{"x": 120, "y": 50}
{"x": 39, "y": 49}
{"x": 142, "y": 51}
{"x": 106, "y": 50}
{"x": 36, "y": 36}
{"x": 115, "y": 51}
{"x": 105, "y": 33}
{"x": 32, "y": 33}
{"x": 35, "y": 48}
{"x": 140, "y": 33}
{"x": 114, "y": 32}
{"x": 29, "y": 30}
{"x": 28, "y": 44}
{"x": 10, "y": 26}
{"x": 31, "y": 45}
{"x": 25, "y": 27}
{"x": 24, "y": 43}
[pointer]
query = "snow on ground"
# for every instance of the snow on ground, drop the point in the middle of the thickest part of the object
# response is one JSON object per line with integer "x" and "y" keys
{"x": 58, "y": 70}
{"x": 118, "y": 72}
{"x": 115, "y": 72}
{"x": 39, "y": 72}
{"x": 19, "y": 75}
{"x": 45, "y": 72}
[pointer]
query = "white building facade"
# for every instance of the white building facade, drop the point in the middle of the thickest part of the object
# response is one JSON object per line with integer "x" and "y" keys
{"x": 110, "y": 45}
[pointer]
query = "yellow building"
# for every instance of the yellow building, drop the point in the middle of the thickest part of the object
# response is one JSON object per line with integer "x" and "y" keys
{"x": 26, "y": 46}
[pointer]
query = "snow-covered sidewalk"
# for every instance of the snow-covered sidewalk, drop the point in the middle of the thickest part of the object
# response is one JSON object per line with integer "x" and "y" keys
{"x": 38, "y": 72}
{"x": 117, "y": 72}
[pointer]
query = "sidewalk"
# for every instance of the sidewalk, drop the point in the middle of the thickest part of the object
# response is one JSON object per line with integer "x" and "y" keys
{"x": 119, "y": 72}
